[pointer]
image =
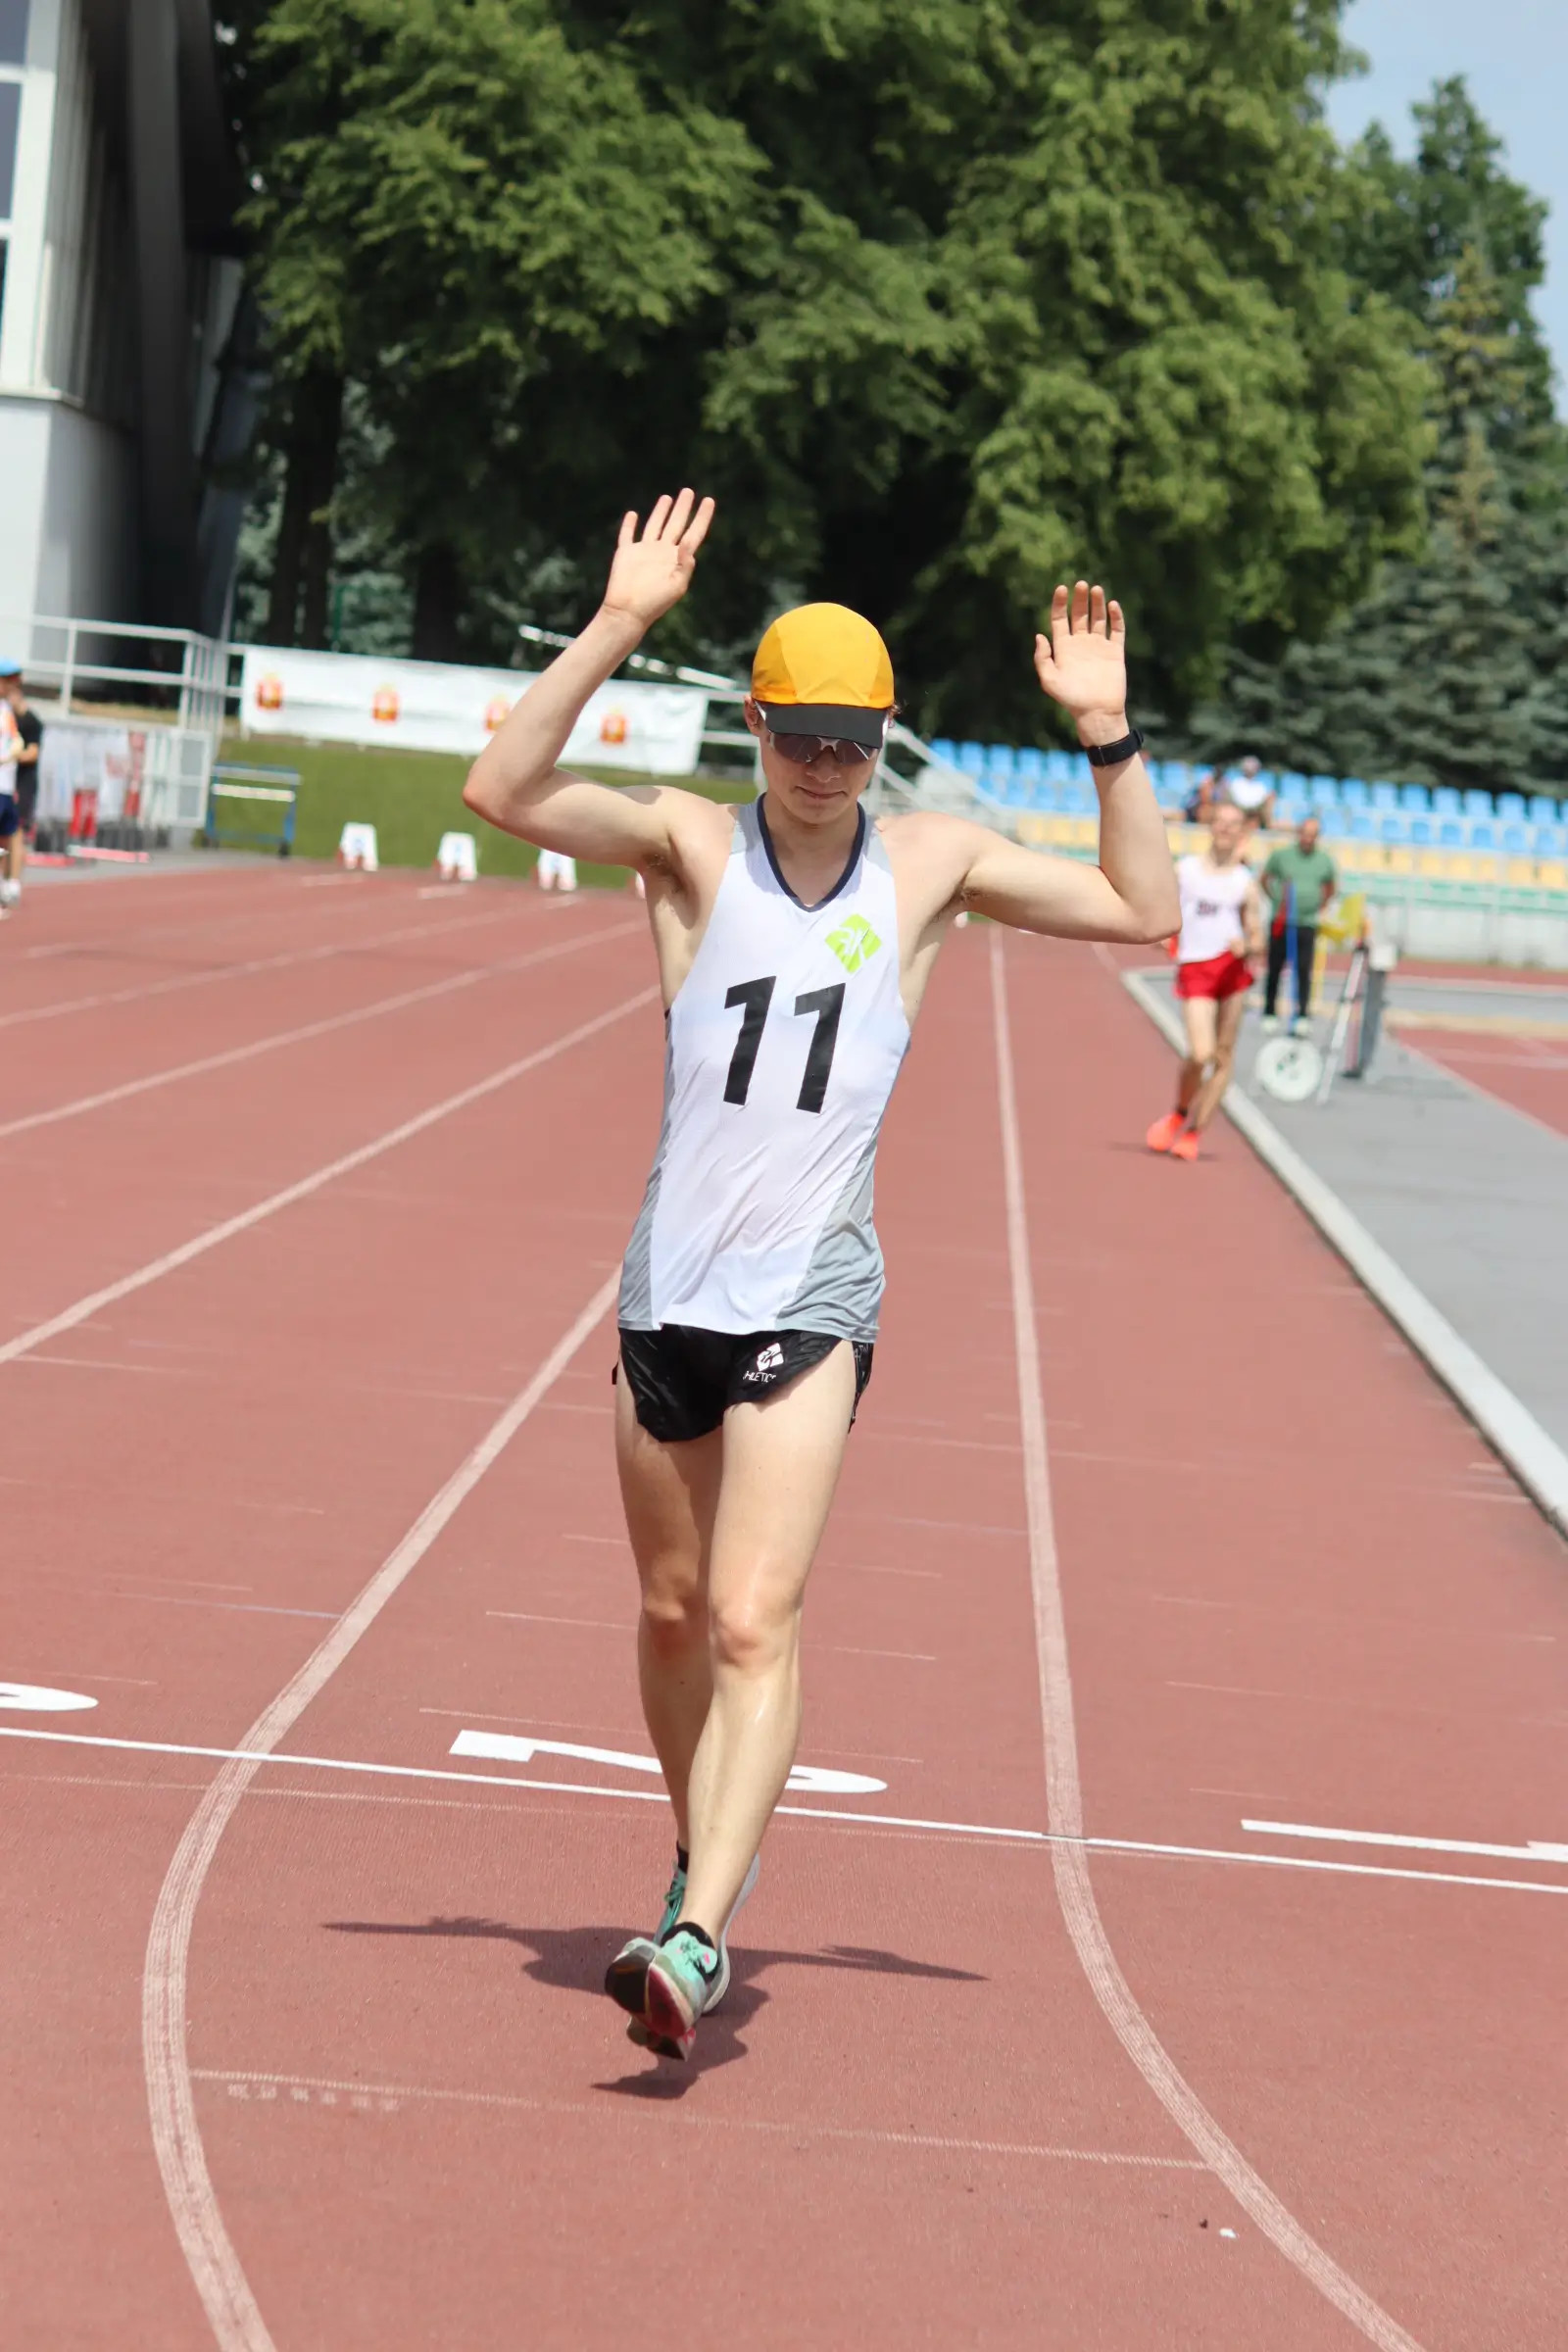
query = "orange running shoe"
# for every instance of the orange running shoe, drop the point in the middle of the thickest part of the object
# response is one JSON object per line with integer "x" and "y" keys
{"x": 1185, "y": 1146}
{"x": 1163, "y": 1133}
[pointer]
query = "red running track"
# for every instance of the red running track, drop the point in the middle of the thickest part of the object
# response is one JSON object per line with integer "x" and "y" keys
{"x": 306, "y": 2057}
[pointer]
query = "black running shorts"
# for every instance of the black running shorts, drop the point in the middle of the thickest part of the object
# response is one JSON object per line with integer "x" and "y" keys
{"x": 683, "y": 1381}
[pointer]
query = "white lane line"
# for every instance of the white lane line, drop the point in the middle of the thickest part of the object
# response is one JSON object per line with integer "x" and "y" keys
{"x": 290, "y": 957}
{"x": 1064, "y": 1790}
{"x": 1535, "y": 1850}
{"x": 996, "y": 1832}
{"x": 26, "y": 1341}
{"x": 325, "y": 1027}
{"x": 232, "y": 2308}
{"x": 688, "y": 2116}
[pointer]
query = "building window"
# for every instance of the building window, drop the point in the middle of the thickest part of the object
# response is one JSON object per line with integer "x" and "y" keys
{"x": 10, "y": 110}
{"x": 14, "y": 32}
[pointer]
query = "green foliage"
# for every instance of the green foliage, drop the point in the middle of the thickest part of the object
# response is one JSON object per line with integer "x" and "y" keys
{"x": 946, "y": 300}
{"x": 1454, "y": 670}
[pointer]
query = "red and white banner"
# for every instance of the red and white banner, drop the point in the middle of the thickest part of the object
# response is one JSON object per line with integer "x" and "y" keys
{"x": 438, "y": 706}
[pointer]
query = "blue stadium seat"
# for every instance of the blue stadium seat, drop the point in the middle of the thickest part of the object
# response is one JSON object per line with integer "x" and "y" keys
{"x": 972, "y": 758}
{"x": 1511, "y": 806}
{"x": 1353, "y": 794}
{"x": 1294, "y": 787}
{"x": 1077, "y": 799}
{"x": 1058, "y": 766}
{"x": 1483, "y": 836}
{"x": 1385, "y": 797}
{"x": 1079, "y": 772}
{"x": 1446, "y": 802}
{"x": 1415, "y": 799}
{"x": 1421, "y": 832}
{"x": 942, "y": 750}
{"x": 1451, "y": 834}
{"x": 1324, "y": 791}
{"x": 1515, "y": 838}
{"x": 1393, "y": 827}
{"x": 1476, "y": 802}
{"x": 1000, "y": 760}
{"x": 1544, "y": 808}
{"x": 1552, "y": 840}
{"x": 1031, "y": 765}
{"x": 1363, "y": 825}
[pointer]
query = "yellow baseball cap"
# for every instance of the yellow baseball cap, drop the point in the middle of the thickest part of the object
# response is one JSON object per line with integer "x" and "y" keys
{"x": 825, "y": 670}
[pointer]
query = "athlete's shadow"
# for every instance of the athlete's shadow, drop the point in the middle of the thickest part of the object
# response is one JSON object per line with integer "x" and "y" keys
{"x": 572, "y": 1960}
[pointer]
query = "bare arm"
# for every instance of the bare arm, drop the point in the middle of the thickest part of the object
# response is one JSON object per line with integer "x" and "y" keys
{"x": 1131, "y": 894}
{"x": 515, "y": 783}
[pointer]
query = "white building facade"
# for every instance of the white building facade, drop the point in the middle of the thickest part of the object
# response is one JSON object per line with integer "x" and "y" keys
{"x": 126, "y": 372}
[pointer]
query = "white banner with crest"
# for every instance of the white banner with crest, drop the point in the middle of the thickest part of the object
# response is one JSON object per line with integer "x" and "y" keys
{"x": 440, "y": 707}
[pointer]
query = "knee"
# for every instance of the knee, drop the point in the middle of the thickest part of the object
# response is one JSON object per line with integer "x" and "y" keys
{"x": 674, "y": 1623}
{"x": 747, "y": 1639}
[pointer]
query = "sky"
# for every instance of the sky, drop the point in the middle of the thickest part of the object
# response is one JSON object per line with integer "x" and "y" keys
{"x": 1515, "y": 55}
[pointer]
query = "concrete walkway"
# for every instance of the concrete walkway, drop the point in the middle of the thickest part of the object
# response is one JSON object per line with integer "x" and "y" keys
{"x": 1468, "y": 1196}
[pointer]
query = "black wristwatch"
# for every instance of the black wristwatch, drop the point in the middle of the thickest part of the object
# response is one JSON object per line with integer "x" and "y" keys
{"x": 1111, "y": 754}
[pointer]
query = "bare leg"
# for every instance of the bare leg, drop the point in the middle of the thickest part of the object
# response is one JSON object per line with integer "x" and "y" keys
{"x": 669, "y": 1493}
{"x": 1227, "y": 1028}
{"x": 781, "y": 1465}
{"x": 1199, "y": 1014}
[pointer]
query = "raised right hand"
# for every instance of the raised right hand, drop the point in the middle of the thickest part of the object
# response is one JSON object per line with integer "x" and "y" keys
{"x": 654, "y": 572}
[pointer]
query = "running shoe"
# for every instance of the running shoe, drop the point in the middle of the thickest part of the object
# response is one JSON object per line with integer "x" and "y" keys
{"x": 1300, "y": 1026}
{"x": 1162, "y": 1136}
{"x": 1270, "y": 1022}
{"x": 626, "y": 1977}
{"x": 1186, "y": 1145}
{"x": 683, "y": 1977}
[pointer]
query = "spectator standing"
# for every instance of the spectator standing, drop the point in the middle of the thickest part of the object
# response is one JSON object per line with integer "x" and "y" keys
{"x": 21, "y": 767}
{"x": 1204, "y": 796}
{"x": 1253, "y": 793}
{"x": 1299, "y": 880}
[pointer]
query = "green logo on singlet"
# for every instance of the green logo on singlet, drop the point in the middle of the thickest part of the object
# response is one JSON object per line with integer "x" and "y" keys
{"x": 854, "y": 943}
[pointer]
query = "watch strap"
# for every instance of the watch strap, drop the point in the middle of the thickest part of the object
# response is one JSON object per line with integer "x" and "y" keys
{"x": 1111, "y": 754}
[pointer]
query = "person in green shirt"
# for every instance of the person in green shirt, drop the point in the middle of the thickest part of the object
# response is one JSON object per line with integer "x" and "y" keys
{"x": 1299, "y": 880}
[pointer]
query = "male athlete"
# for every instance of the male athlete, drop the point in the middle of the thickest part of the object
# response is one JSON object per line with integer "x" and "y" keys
{"x": 1221, "y": 927}
{"x": 794, "y": 941}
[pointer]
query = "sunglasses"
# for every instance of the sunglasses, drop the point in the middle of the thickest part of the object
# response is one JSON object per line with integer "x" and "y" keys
{"x": 801, "y": 750}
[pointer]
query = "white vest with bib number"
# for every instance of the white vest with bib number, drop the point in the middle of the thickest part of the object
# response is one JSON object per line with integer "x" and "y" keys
{"x": 783, "y": 1045}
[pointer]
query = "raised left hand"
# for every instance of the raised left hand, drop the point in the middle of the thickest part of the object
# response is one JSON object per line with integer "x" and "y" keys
{"x": 1083, "y": 663}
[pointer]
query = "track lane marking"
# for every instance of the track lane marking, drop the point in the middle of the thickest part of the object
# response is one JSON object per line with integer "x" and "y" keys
{"x": 1535, "y": 1849}
{"x": 215, "y": 2266}
{"x": 938, "y": 2143}
{"x": 907, "y": 1824}
{"x": 173, "y": 1259}
{"x": 325, "y": 1027}
{"x": 322, "y": 952}
{"x": 1064, "y": 1790}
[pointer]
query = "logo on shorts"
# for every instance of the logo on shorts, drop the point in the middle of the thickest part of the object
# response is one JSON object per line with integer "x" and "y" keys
{"x": 771, "y": 1360}
{"x": 854, "y": 943}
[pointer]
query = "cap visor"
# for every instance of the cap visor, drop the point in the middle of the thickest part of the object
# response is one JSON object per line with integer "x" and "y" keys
{"x": 846, "y": 719}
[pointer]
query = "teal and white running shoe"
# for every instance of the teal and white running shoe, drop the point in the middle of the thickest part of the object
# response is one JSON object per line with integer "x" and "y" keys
{"x": 627, "y": 1977}
{"x": 627, "y": 1973}
{"x": 683, "y": 1977}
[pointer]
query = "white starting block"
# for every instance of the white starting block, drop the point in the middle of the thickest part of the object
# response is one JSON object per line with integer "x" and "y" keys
{"x": 555, "y": 870}
{"x": 357, "y": 847}
{"x": 458, "y": 857}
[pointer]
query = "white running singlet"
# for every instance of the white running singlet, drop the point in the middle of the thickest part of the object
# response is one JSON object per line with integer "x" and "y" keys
{"x": 1212, "y": 907}
{"x": 783, "y": 1045}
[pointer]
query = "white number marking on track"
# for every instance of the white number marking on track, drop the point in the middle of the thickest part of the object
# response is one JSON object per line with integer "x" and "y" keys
{"x": 34, "y": 1700}
{"x": 504, "y": 1748}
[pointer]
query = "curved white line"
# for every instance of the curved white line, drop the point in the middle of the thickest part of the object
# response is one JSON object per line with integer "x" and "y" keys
{"x": 1063, "y": 1792}
{"x": 207, "y": 1062}
{"x": 215, "y": 2266}
{"x": 85, "y": 1310}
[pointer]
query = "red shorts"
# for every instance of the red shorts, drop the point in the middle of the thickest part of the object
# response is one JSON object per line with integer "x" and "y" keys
{"x": 1217, "y": 976}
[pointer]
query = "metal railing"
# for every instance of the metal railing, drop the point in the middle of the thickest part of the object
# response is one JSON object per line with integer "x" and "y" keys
{"x": 80, "y": 658}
